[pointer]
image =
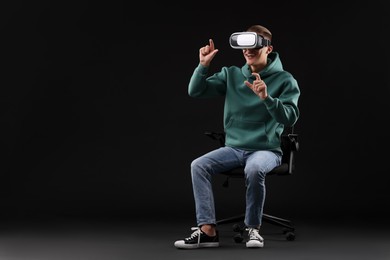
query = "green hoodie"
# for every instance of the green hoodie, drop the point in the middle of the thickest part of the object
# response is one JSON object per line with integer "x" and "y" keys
{"x": 251, "y": 123}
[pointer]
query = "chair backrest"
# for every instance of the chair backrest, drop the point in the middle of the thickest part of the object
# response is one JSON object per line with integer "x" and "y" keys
{"x": 290, "y": 145}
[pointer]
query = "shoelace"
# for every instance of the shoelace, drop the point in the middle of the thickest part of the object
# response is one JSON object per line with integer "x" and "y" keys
{"x": 254, "y": 234}
{"x": 197, "y": 232}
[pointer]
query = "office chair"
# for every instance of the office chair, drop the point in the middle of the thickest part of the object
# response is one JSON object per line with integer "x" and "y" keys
{"x": 289, "y": 144}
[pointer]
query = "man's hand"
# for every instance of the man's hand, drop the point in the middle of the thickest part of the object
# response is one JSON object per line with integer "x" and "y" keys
{"x": 258, "y": 86}
{"x": 207, "y": 53}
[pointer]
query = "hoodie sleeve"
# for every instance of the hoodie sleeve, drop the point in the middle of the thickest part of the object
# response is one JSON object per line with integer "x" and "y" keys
{"x": 201, "y": 85}
{"x": 285, "y": 107}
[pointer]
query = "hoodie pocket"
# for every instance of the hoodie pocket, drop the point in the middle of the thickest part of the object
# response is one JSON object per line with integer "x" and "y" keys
{"x": 243, "y": 133}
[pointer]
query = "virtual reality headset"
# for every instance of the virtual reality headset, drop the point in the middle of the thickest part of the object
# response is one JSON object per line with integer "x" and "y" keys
{"x": 247, "y": 40}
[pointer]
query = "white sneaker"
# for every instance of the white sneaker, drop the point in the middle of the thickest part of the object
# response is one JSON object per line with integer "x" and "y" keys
{"x": 254, "y": 238}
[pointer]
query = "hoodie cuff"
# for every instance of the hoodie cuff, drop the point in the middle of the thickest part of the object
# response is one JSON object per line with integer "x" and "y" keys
{"x": 269, "y": 101}
{"x": 202, "y": 70}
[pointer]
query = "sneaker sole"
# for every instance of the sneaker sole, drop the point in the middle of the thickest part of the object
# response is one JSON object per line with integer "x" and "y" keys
{"x": 254, "y": 244}
{"x": 182, "y": 245}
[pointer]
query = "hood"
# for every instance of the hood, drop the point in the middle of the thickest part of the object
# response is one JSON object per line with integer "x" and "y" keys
{"x": 274, "y": 65}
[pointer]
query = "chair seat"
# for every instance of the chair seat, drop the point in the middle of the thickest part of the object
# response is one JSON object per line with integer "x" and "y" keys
{"x": 239, "y": 172}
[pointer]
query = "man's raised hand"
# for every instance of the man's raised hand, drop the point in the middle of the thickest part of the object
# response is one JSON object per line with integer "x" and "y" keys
{"x": 258, "y": 86}
{"x": 207, "y": 53}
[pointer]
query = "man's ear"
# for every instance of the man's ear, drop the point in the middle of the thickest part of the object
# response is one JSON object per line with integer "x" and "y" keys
{"x": 269, "y": 49}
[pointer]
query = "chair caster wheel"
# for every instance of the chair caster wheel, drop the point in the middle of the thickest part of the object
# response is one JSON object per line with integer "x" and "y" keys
{"x": 237, "y": 228}
{"x": 290, "y": 236}
{"x": 238, "y": 238}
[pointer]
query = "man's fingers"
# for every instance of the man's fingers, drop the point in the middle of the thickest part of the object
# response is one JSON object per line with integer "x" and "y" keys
{"x": 257, "y": 75}
{"x": 208, "y": 49}
{"x": 248, "y": 84}
{"x": 211, "y": 44}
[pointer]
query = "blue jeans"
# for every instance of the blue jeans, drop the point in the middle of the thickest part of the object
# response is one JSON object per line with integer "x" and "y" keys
{"x": 257, "y": 165}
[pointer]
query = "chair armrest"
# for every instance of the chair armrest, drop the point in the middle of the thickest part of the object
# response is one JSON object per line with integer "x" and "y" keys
{"x": 219, "y": 136}
{"x": 290, "y": 142}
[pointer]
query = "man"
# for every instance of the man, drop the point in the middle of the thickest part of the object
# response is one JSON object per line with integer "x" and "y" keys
{"x": 261, "y": 98}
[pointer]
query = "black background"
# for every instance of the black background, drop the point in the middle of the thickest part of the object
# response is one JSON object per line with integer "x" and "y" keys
{"x": 96, "y": 120}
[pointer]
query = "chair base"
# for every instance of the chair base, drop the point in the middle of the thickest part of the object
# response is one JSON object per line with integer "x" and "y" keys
{"x": 288, "y": 230}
